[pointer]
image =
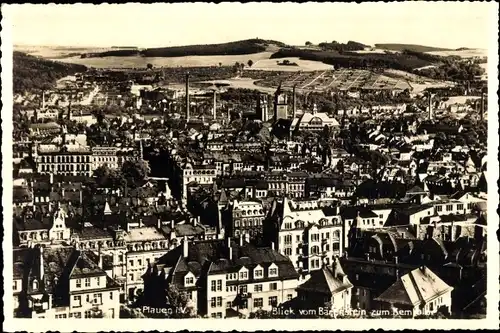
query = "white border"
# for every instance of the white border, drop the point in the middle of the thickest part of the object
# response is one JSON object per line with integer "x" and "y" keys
{"x": 64, "y": 325}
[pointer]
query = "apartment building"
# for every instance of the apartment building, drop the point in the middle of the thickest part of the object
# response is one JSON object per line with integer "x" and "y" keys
{"x": 238, "y": 278}
{"x": 308, "y": 234}
{"x": 62, "y": 282}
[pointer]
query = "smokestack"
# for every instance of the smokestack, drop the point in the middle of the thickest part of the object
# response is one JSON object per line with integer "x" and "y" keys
{"x": 294, "y": 102}
{"x": 272, "y": 246}
{"x": 41, "y": 263}
{"x": 185, "y": 247}
{"x": 100, "y": 257}
{"x": 43, "y": 99}
{"x": 52, "y": 178}
{"x": 429, "y": 98}
{"x": 187, "y": 96}
{"x": 482, "y": 106}
{"x": 215, "y": 105}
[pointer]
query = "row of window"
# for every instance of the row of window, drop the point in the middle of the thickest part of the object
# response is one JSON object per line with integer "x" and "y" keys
{"x": 65, "y": 167}
{"x": 65, "y": 159}
{"x": 96, "y": 299}
{"x": 314, "y": 237}
{"x": 248, "y": 222}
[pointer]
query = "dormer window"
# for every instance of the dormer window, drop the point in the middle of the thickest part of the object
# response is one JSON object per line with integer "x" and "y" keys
{"x": 243, "y": 275}
{"x": 259, "y": 273}
{"x": 189, "y": 281}
{"x": 273, "y": 271}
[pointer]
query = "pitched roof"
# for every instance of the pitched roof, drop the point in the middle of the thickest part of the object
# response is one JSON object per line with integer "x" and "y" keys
{"x": 418, "y": 286}
{"x": 327, "y": 280}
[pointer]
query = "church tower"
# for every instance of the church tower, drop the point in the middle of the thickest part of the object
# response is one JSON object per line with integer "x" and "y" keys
{"x": 280, "y": 104}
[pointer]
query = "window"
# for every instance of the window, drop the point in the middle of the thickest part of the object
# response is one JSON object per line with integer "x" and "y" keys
{"x": 219, "y": 285}
{"x": 273, "y": 301}
{"x": 288, "y": 251}
{"x": 315, "y": 237}
{"x": 243, "y": 275}
{"x": 257, "y": 288}
{"x": 213, "y": 315}
{"x": 460, "y": 206}
{"x": 439, "y": 208}
{"x": 189, "y": 280}
{"x": 78, "y": 301}
{"x": 110, "y": 295}
{"x": 213, "y": 285}
{"x": 243, "y": 289}
{"x": 87, "y": 282}
{"x": 77, "y": 315}
{"x": 315, "y": 249}
{"x": 228, "y": 305}
{"x": 288, "y": 239}
{"x": 131, "y": 277}
{"x": 273, "y": 271}
{"x": 88, "y": 314}
{"x": 259, "y": 273}
{"x": 298, "y": 238}
{"x": 273, "y": 286}
{"x": 98, "y": 279}
{"x": 140, "y": 262}
{"x": 78, "y": 283}
{"x": 258, "y": 302}
{"x": 131, "y": 263}
{"x": 61, "y": 316}
{"x": 219, "y": 315}
{"x": 213, "y": 302}
{"x": 219, "y": 301}
{"x": 449, "y": 208}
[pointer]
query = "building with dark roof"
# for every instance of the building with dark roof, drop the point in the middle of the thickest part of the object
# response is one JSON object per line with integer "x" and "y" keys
{"x": 223, "y": 277}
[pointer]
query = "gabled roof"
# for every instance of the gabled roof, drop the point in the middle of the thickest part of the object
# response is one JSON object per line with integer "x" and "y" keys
{"x": 418, "y": 286}
{"x": 327, "y": 280}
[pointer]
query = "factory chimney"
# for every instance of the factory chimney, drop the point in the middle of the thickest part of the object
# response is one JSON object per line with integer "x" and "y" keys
{"x": 43, "y": 99}
{"x": 187, "y": 96}
{"x": 215, "y": 105}
{"x": 429, "y": 98}
{"x": 294, "y": 102}
{"x": 482, "y": 106}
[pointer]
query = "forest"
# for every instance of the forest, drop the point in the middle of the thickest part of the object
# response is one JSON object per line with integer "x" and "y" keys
{"x": 32, "y": 73}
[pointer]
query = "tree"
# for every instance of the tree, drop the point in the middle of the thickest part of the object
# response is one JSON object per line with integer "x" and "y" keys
{"x": 308, "y": 43}
{"x": 179, "y": 303}
{"x": 149, "y": 66}
{"x": 250, "y": 63}
{"x": 135, "y": 172}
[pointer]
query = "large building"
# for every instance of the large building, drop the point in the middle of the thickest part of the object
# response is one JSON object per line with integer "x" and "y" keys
{"x": 224, "y": 278}
{"x": 308, "y": 234}
{"x": 63, "y": 282}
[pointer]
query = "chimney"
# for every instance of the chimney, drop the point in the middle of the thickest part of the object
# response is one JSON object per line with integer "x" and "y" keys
{"x": 52, "y": 178}
{"x": 272, "y": 246}
{"x": 185, "y": 247}
{"x": 482, "y": 106}
{"x": 294, "y": 102}
{"x": 62, "y": 192}
{"x": 241, "y": 239}
{"x": 187, "y": 96}
{"x": 81, "y": 198}
{"x": 100, "y": 258}
{"x": 158, "y": 223}
{"x": 140, "y": 223}
{"x": 429, "y": 98}
{"x": 215, "y": 105}
{"x": 43, "y": 100}
{"x": 42, "y": 270}
{"x": 172, "y": 224}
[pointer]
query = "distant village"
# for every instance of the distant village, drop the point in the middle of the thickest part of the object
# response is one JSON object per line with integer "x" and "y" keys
{"x": 134, "y": 199}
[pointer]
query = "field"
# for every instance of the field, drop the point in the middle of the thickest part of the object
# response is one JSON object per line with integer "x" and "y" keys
{"x": 303, "y": 65}
{"x": 187, "y": 61}
{"x": 411, "y": 47}
{"x": 468, "y": 53}
{"x": 343, "y": 79}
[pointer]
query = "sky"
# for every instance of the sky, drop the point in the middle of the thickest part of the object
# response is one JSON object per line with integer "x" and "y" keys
{"x": 449, "y": 25}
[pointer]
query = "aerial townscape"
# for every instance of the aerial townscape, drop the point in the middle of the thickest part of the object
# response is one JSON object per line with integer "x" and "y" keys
{"x": 259, "y": 180}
